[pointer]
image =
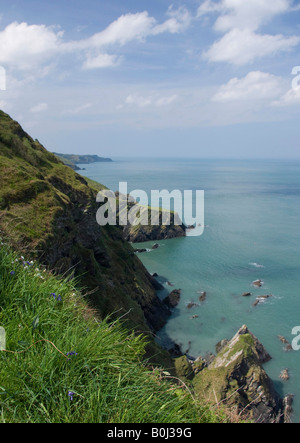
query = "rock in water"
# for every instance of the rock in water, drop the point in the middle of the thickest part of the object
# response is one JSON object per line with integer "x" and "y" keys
{"x": 236, "y": 377}
{"x": 202, "y": 297}
{"x": 285, "y": 375}
{"x": 257, "y": 283}
{"x": 2, "y": 339}
{"x": 173, "y": 298}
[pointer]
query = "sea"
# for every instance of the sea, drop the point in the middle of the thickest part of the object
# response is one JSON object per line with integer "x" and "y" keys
{"x": 252, "y": 232}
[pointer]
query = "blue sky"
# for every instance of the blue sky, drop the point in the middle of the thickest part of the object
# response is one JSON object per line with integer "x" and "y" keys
{"x": 197, "y": 78}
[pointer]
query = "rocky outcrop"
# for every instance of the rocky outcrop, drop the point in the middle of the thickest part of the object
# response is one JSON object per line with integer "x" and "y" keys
{"x": 236, "y": 378}
{"x": 143, "y": 233}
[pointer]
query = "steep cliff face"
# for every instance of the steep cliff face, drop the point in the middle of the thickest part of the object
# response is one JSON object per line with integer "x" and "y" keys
{"x": 49, "y": 210}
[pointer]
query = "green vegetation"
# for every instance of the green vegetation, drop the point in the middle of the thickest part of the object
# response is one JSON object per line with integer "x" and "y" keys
{"x": 63, "y": 364}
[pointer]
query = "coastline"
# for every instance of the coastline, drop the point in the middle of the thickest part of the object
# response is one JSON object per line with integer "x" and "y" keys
{"x": 191, "y": 367}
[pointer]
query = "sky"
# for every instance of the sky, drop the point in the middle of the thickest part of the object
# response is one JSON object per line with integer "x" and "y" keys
{"x": 159, "y": 78}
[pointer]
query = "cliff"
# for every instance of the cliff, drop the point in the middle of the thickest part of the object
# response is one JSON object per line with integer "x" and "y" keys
{"x": 49, "y": 211}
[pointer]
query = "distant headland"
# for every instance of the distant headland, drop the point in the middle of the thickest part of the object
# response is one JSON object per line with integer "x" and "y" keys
{"x": 72, "y": 160}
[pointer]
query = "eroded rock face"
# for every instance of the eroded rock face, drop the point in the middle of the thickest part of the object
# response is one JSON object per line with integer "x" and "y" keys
{"x": 236, "y": 378}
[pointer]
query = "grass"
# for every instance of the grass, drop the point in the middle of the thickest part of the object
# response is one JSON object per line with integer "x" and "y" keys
{"x": 63, "y": 365}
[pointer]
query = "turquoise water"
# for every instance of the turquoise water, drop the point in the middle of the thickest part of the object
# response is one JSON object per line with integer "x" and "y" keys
{"x": 252, "y": 213}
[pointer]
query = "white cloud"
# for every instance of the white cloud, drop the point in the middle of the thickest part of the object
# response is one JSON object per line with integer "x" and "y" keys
{"x": 77, "y": 110}
{"x": 150, "y": 100}
{"x": 101, "y": 61}
{"x": 139, "y": 100}
{"x": 208, "y": 6}
{"x": 290, "y": 98}
{"x": 24, "y": 46}
{"x": 126, "y": 28}
{"x": 41, "y": 107}
{"x": 240, "y": 21}
{"x": 179, "y": 21}
{"x": 165, "y": 101}
{"x": 240, "y": 47}
{"x": 255, "y": 86}
{"x": 250, "y": 14}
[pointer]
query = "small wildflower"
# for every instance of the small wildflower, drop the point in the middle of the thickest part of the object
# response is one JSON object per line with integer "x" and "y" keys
{"x": 56, "y": 297}
{"x": 71, "y": 394}
{"x": 12, "y": 273}
{"x": 71, "y": 353}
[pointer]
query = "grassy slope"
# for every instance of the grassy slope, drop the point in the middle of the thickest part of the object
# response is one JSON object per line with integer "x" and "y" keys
{"x": 108, "y": 379}
{"x": 48, "y": 211}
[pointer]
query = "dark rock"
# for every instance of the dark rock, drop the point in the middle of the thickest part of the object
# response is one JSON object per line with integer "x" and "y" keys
{"x": 191, "y": 305}
{"x": 202, "y": 297}
{"x": 173, "y": 298}
{"x": 246, "y": 294}
{"x": 175, "y": 351}
{"x": 155, "y": 246}
{"x": 257, "y": 283}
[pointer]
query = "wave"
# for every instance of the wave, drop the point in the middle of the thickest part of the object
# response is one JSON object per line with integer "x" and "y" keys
{"x": 256, "y": 265}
